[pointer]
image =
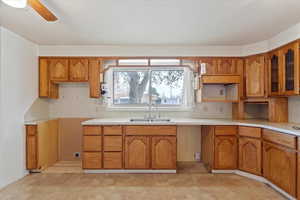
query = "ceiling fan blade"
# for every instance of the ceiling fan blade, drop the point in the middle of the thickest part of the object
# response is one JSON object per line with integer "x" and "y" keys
{"x": 42, "y": 10}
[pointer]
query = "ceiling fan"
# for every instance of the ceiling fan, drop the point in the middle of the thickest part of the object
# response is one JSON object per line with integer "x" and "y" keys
{"x": 35, "y": 4}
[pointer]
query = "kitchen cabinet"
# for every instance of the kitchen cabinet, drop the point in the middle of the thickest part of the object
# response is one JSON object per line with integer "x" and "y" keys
{"x": 219, "y": 147}
{"x": 92, "y": 160}
{"x": 41, "y": 145}
{"x": 290, "y": 61}
{"x": 79, "y": 70}
{"x": 250, "y": 150}
{"x": 112, "y": 160}
{"x": 31, "y": 147}
{"x": 53, "y": 71}
{"x": 275, "y": 71}
{"x": 163, "y": 152}
{"x": 284, "y": 70}
{"x": 255, "y": 74}
{"x": 92, "y": 147}
{"x": 225, "y": 152}
{"x": 279, "y": 166}
{"x": 150, "y": 147}
{"x": 94, "y": 78}
{"x": 59, "y": 69}
{"x": 221, "y": 66}
{"x": 47, "y": 89}
{"x": 137, "y": 152}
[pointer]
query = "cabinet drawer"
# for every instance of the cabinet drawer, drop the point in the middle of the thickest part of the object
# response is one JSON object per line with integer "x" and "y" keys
{"x": 112, "y": 130}
{"x": 225, "y": 130}
{"x": 112, "y": 160}
{"x": 92, "y": 160}
{"x": 31, "y": 130}
{"x": 150, "y": 130}
{"x": 92, "y": 130}
{"x": 250, "y": 131}
{"x": 113, "y": 143}
{"x": 280, "y": 138}
{"x": 92, "y": 143}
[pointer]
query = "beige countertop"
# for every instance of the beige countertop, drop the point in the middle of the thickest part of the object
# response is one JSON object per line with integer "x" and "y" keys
{"x": 281, "y": 127}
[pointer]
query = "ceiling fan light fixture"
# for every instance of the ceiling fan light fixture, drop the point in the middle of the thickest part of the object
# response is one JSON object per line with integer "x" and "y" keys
{"x": 16, "y": 3}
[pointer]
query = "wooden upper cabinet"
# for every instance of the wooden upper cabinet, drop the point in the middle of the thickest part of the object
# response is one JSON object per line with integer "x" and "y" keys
{"x": 94, "y": 78}
{"x": 211, "y": 65}
{"x": 47, "y": 89}
{"x": 250, "y": 151}
{"x": 59, "y": 69}
{"x": 79, "y": 69}
{"x": 137, "y": 152}
{"x": 290, "y": 60}
{"x": 275, "y": 71}
{"x": 255, "y": 76}
{"x": 279, "y": 166}
{"x": 226, "y": 66}
{"x": 217, "y": 66}
{"x": 225, "y": 152}
{"x": 164, "y": 152}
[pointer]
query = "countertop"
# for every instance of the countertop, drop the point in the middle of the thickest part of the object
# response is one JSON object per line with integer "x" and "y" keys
{"x": 281, "y": 127}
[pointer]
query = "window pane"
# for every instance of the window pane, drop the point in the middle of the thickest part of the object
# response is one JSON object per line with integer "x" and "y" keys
{"x": 167, "y": 87}
{"x": 131, "y": 87}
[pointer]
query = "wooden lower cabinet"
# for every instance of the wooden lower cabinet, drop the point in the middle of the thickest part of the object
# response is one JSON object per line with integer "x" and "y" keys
{"x": 92, "y": 143}
{"x": 31, "y": 152}
{"x": 92, "y": 160}
{"x": 163, "y": 152}
{"x": 137, "y": 152}
{"x": 250, "y": 151}
{"x": 225, "y": 152}
{"x": 112, "y": 160}
{"x": 279, "y": 166}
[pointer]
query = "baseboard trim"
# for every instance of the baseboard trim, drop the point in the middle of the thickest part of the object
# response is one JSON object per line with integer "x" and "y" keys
{"x": 129, "y": 171}
{"x": 257, "y": 178}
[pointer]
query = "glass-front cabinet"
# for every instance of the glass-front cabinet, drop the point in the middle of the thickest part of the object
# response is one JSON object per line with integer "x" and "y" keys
{"x": 274, "y": 67}
{"x": 284, "y": 70}
{"x": 290, "y": 61}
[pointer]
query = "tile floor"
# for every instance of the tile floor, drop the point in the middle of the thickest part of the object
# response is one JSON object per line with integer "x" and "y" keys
{"x": 191, "y": 183}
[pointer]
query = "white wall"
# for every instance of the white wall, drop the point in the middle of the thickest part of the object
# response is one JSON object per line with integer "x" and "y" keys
{"x": 18, "y": 89}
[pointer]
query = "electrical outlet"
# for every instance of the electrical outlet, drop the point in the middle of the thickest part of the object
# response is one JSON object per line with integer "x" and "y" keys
{"x": 76, "y": 154}
{"x": 197, "y": 156}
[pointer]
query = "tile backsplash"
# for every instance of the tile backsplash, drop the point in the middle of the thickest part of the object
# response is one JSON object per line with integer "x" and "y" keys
{"x": 74, "y": 101}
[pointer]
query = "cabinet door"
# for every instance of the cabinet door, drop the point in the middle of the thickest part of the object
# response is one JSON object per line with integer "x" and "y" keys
{"x": 226, "y": 66}
{"x": 163, "y": 152}
{"x": 274, "y": 73}
{"x": 92, "y": 160}
{"x": 79, "y": 70}
{"x": 255, "y": 76}
{"x": 46, "y": 88}
{"x": 94, "y": 78}
{"x": 137, "y": 152}
{"x": 59, "y": 69}
{"x": 92, "y": 143}
{"x": 250, "y": 155}
{"x": 225, "y": 152}
{"x": 31, "y": 152}
{"x": 211, "y": 65}
{"x": 279, "y": 166}
{"x": 290, "y": 55}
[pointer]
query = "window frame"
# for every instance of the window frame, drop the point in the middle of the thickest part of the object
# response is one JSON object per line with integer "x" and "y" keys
{"x": 187, "y": 89}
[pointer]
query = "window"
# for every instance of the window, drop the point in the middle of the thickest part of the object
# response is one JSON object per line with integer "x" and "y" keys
{"x": 137, "y": 87}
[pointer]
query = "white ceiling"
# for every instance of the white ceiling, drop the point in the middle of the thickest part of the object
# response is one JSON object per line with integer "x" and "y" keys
{"x": 154, "y": 22}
